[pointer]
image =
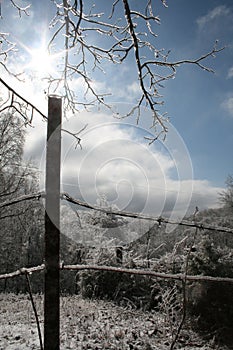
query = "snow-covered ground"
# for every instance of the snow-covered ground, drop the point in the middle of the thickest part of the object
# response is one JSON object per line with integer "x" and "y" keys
{"x": 88, "y": 325}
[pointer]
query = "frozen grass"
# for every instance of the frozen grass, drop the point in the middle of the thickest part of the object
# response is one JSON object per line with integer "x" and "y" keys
{"x": 89, "y": 325}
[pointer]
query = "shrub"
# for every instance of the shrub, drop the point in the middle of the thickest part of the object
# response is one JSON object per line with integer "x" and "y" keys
{"x": 125, "y": 289}
{"x": 211, "y": 302}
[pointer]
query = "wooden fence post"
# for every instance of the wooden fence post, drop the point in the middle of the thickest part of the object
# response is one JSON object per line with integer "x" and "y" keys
{"x": 52, "y": 226}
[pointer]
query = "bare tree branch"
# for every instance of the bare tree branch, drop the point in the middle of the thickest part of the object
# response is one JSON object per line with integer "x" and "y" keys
{"x": 20, "y": 8}
{"x": 148, "y": 96}
{"x": 116, "y": 40}
{"x": 178, "y": 277}
{"x": 22, "y": 271}
{"x": 26, "y": 109}
{"x": 23, "y": 107}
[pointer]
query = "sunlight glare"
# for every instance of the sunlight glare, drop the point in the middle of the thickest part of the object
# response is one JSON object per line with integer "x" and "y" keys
{"x": 41, "y": 62}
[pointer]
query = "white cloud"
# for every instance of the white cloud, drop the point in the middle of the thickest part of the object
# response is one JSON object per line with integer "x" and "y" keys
{"x": 114, "y": 161}
{"x": 218, "y": 12}
{"x": 133, "y": 90}
{"x": 205, "y": 195}
{"x": 230, "y": 73}
{"x": 126, "y": 92}
{"x": 228, "y": 105}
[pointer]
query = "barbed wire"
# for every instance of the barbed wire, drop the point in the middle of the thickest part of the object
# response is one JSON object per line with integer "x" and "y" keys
{"x": 22, "y": 198}
{"x": 160, "y": 220}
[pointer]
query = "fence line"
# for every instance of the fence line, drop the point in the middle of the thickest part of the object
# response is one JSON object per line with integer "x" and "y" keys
{"x": 179, "y": 276}
{"x": 183, "y": 278}
{"x": 23, "y": 271}
{"x": 160, "y": 220}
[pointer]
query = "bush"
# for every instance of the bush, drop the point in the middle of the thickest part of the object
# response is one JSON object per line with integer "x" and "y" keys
{"x": 124, "y": 289}
{"x": 211, "y": 302}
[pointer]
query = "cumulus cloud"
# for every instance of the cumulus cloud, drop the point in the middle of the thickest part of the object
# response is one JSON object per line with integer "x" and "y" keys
{"x": 116, "y": 162}
{"x": 228, "y": 105}
{"x": 230, "y": 73}
{"x": 133, "y": 91}
{"x": 218, "y": 12}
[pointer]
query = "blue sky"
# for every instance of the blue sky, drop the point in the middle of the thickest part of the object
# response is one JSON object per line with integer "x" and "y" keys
{"x": 197, "y": 154}
{"x": 201, "y": 104}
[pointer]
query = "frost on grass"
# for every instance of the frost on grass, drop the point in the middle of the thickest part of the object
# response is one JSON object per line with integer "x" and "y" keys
{"x": 88, "y": 325}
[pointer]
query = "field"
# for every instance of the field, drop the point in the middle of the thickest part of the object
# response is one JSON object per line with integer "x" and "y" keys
{"x": 90, "y": 325}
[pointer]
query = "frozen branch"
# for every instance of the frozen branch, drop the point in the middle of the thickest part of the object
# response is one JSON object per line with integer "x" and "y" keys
{"x": 21, "y": 10}
{"x": 178, "y": 277}
{"x": 20, "y": 104}
{"x": 90, "y": 40}
{"x": 26, "y": 110}
{"x": 150, "y": 97}
{"x": 22, "y": 271}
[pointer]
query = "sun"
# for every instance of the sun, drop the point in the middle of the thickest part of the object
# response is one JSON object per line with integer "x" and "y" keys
{"x": 41, "y": 62}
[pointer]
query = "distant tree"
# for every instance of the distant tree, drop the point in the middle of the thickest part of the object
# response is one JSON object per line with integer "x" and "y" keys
{"x": 20, "y": 226}
{"x": 226, "y": 196}
{"x": 11, "y": 148}
{"x": 16, "y": 177}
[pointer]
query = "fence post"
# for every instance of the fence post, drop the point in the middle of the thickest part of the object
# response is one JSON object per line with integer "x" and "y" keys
{"x": 52, "y": 223}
